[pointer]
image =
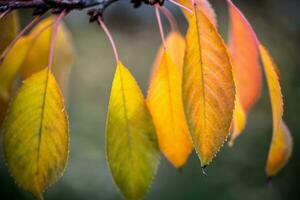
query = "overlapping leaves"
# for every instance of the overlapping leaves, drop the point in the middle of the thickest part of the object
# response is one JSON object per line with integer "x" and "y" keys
{"x": 35, "y": 131}
{"x": 198, "y": 94}
{"x": 243, "y": 39}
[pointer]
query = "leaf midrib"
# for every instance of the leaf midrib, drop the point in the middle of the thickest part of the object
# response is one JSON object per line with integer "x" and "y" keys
{"x": 42, "y": 122}
{"x": 202, "y": 76}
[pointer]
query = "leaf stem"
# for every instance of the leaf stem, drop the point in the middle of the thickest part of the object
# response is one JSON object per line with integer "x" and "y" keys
{"x": 170, "y": 17}
{"x": 53, "y": 37}
{"x": 161, "y": 30}
{"x": 4, "y": 13}
{"x": 20, "y": 34}
{"x": 108, "y": 34}
{"x": 181, "y": 6}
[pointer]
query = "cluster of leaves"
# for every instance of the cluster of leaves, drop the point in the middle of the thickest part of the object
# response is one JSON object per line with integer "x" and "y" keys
{"x": 200, "y": 92}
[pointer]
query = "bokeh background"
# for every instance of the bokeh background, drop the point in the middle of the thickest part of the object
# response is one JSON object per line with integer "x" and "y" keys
{"x": 236, "y": 173}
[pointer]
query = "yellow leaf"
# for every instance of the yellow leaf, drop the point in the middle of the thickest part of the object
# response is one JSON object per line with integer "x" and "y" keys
{"x": 8, "y": 71}
{"x": 9, "y": 26}
{"x": 38, "y": 54}
{"x": 36, "y": 135}
{"x": 239, "y": 120}
{"x": 11, "y": 65}
{"x": 280, "y": 150}
{"x": 165, "y": 104}
{"x": 204, "y": 6}
{"x": 281, "y": 145}
{"x": 132, "y": 149}
{"x": 175, "y": 45}
{"x": 208, "y": 87}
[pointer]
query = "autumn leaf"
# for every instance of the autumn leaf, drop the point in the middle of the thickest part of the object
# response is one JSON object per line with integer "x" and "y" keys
{"x": 8, "y": 71}
{"x": 9, "y": 26}
{"x": 243, "y": 48}
{"x": 132, "y": 149}
{"x": 239, "y": 120}
{"x": 280, "y": 150}
{"x": 36, "y": 135}
{"x": 38, "y": 54}
{"x": 204, "y": 6}
{"x": 175, "y": 45}
{"x": 281, "y": 145}
{"x": 165, "y": 104}
{"x": 208, "y": 87}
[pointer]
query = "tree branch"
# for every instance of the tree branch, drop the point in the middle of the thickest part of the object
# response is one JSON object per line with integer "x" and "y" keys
{"x": 59, "y": 5}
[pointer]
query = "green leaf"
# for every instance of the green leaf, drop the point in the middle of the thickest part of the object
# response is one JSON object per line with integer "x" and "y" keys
{"x": 132, "y": 149}
{"x": 36, "y": 135}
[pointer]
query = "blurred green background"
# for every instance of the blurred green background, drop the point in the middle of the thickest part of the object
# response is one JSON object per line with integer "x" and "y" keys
{"x": 236, "y": 173}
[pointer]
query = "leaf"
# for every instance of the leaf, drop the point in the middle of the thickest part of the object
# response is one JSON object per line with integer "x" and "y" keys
{"x": 36, "y": 135}
{"x": 245, "y": 57}
{"x": 9, "y": 26}
{"x": 8, "y": 71}
{"x": 280, "y": 150}
{"x": 239, "y": 120}
{"x": 165, "y": 104}
{"x": 132, "y": 149}
{"x": 281, "y": 146}
{"x": 208, "y": 87}
{"x": 204, "y": 6}
{"x": 246, "y": 69}
{"x": 175, "y": 45}
{"x": 38, "y": 54}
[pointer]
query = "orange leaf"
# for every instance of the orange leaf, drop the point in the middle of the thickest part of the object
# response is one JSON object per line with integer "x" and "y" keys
{"x": 175, "y": 46}
{"x": 281, "y": 146}
{"x": 246, "y": 69}
{"x": 205, "y": 7}
{"x": 165, "y": 104}
{"x": 208, "y": 86}
{"x": 244, "y": 51}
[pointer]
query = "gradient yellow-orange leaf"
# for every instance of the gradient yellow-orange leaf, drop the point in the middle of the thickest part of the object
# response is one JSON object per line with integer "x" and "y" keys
{"x": 175, "y": 46}
{"x": 35, "y": 134}
{"x": 208, "y": 87}
{"x": 131, "y": 142}
{"x": 38, "y": 54}
{"x": 9, "y": 26}
{"x": 8, "y": 72}
{"x": 165, "y": 104}
{"x": 280, "y": 150}
{"x": 245, "y": 56}
{"x": 281, "y": 146}
{"x": 204, "y": 6}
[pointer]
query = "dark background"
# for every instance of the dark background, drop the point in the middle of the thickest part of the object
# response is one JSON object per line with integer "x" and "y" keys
{"x": 236, "y": 173}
